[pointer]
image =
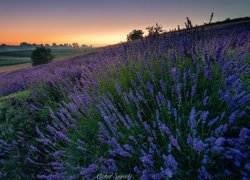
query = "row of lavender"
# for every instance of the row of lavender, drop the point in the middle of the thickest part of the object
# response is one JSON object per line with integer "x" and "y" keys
{"x": 20, "y": 80}
{"x": 170, "y": 106}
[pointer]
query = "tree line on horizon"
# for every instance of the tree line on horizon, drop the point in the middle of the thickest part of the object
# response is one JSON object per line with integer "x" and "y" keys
{"x": 66, "y": 45}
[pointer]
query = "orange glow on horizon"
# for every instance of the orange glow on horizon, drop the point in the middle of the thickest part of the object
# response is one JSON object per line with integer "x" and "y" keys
{"x": 95, "y": 40}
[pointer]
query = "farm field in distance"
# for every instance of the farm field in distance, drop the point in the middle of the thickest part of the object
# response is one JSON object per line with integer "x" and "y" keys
{"x": 14, "y": 56}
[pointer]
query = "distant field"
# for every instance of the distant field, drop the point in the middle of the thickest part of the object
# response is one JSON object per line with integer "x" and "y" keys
{"x": 7, "y": 60}
{"x": 17, "y": 56}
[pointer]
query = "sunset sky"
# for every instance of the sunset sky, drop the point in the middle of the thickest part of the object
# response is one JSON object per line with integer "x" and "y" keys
{"x": 101, "y": 22}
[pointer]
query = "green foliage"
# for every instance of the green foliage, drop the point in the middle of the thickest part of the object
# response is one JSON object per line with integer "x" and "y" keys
{"x": 134, "y": 35}
{"x": 41, "y": 55}
{"x": 20, "y": 113}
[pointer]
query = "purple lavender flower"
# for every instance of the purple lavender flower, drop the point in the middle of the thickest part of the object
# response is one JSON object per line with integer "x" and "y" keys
{"x": 213, "y": 121}
{"x": 57, "y": 154}
{"x": 90, "y": 170}
{"x": 164, "y": 128}
{"x": 185, "y": 76}
{"x": 163, "y": 85}
{"x": 44, "y": 141}
{"x": 170, "y": 161}
{"x": 39, "y": 132}
{"x": 147, "y": 160}
{"x": 118, "y": 89}
{"x": 80, "y": 148}
{"x": 204, "y": 116}
{"x": 207, "y": 72}
{"x": 205, "y": 159}
{"x": 136, "y": 170}
{"x": 169, "y": 107}
{"x": 178, "y": 88}
{"x": 193, "y": 91}
{"x": 174, "y": 142}
{"x": 220, "y": 130}
{"x": 189, "y": 140}
{"x": 132, "y": 138}
{"x": 128, "y": 147}
{"x": 146, "y": 126}
{"x": 220, "y": 141}
{"x": 139, "y": 76}
{"x": 192, "y": 121}
{"x": 198, "y": 145}
{"x": 244, "y": 134}
{"x": 130, "y": 122}
{"x": 167, "y": 172}
{"x": 150, "y": 139}
{"x": 247, "y": 166}
{"x": 204, "y": 174}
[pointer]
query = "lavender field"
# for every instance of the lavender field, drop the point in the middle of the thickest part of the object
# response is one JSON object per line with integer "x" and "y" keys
{"x": 169, "y": 106}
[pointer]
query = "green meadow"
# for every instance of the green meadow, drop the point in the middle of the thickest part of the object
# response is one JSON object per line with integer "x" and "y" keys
{"x": 13, "y": 56}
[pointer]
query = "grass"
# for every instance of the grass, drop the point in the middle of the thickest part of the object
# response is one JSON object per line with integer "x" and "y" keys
{"x": 22, "y": 56}
{"x": 8, "y": 61}
{"x": 19, "y": 95}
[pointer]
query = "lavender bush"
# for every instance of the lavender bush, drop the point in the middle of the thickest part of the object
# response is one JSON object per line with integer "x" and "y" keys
{"x": 173, "y": 106}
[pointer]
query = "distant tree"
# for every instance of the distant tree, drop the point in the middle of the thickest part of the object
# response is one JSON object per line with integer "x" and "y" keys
{"x": 25, "y": 44}
{"x": 54, "y": 45}
{"x": 41, "y": 55}
{"x": 188, "y": 24}
{"x": 227, "y": 19}
{"x": 47, "y": 45}
{"x": 75, "y": 45}
{"x": 2, "y": 46}
{"x": 211, "y": 17}
{"x": 179, "y": 28}
{"x": 134, "y": 35}
{"x": 155, "y": 30}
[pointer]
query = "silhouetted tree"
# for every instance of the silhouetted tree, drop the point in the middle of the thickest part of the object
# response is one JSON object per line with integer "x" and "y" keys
{"x": 179, "y": 28}
{"x": 25, "y": 44}
{"x": 211, "y": 17}
{"x": 134, "y": 35}
{"x": 3, "y": 45}
{"x": 188, "y": 24}
{"x": 155, "y": 30}
{"x": 75, "y": 45}
{"x": 41, "y": 55}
